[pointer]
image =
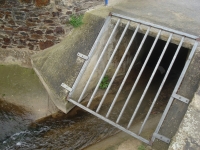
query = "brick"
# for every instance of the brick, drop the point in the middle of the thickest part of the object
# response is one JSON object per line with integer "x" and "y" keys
{"x": 49, "y": 31}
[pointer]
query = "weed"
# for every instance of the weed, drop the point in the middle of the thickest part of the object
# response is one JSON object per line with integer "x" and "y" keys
{"x": 104, "y": 83}
{"x": 141, "y": 147}
{"x": 76, "y": 20}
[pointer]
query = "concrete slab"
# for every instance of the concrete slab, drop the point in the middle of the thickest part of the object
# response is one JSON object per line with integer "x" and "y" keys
{"x": 180, "y": 15}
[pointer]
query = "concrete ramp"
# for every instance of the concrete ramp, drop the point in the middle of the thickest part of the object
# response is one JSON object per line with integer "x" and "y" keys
{"x": 60, "y": 64}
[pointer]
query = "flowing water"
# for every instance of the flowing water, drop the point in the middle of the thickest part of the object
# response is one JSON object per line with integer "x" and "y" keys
{"x": 77, "y": 129}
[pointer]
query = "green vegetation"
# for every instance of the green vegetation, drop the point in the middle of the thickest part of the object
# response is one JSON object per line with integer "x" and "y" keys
{"x": 141, "y": 147}
{"x": 104, "y": 83}
{"x": 76, "y": 20}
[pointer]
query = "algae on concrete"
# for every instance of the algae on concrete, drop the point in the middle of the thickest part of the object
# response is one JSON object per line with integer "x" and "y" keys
{"x": 21, "y": 86}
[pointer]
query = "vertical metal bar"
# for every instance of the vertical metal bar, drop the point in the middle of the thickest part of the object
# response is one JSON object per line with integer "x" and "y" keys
{"x": 149, "y": 82}
{"x": 118, "y": 67}
{"x": 138, "y": 77}
{"x": 130, "y": 67}
{"x": 90, "y": 54}
{"x": 93, "y": 71}
{"x": 175, "y": 89}
{"x": 110, "y": 60}
{"x": 162, "y": 84}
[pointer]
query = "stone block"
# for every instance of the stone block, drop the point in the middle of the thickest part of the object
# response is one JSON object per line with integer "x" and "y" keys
{"x": 49, "y": 31}
{"x": 40, "y": 3}
{"x": 45, "y": 44}
{"x": 2, "y": 2}
{"x": 36, "y": 36}
{"x": 59, "y": 30}
{"x": 26, "y": 1}
{"x": 7, "y": 41}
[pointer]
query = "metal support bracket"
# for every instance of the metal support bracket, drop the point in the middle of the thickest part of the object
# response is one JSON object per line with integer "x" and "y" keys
{"x": 66, "y": 87}
{"x": 180, "y": 98}
{"x": 161, "y": 137}
{"x": 82, "y": 56}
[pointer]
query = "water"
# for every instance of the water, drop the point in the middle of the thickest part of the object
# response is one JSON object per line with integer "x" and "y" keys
{"x": 77, "y": 129}
{"x": 63, "y": 131}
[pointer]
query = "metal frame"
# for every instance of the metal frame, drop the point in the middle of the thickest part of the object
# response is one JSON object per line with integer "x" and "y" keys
{"x": 174, "y": 94}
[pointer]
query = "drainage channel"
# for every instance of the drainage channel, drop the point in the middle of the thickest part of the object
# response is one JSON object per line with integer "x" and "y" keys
{"x": 131, "y": 60}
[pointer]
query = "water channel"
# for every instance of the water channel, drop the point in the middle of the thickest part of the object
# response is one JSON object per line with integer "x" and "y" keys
{"x": 76, "y": 130}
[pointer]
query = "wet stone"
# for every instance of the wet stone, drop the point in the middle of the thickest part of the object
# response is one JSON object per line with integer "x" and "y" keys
{"x": 43, "y": 45}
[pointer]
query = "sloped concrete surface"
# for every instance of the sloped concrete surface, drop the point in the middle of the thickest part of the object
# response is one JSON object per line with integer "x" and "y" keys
{"x": 188, "y": 136}
{"x": 60, "y": 63}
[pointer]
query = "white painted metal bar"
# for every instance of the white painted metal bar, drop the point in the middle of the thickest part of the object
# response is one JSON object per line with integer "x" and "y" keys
{"x": 109, "y": 121}
{"x": 82, "y": 56}
{"x": 161, "y": 137}
{"x": 130, "y": 67}
{"x": 180, "y": 98}
{"x": 175, "y": 89}
{"x": 99, "y": 60}
{"x": 66, "y": 87}
{"x": 138, "y": 77}
{"x": 107, "y": 22}
{"x": 149, "y": 82}
{"x": 156, "y": 26}
{"x": 108, "y": 64}
{"x": 118, "y": 67}
{"x": 162, "y": 84}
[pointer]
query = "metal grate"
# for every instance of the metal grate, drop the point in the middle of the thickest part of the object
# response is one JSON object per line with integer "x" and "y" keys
{"x": 126, "y": 102}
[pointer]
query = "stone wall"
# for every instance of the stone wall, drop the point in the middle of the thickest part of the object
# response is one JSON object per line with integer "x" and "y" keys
{"x": 37, "y": 24}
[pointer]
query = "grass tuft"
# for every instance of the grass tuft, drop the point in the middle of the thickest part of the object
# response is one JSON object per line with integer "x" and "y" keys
{"x": 76, "y": 20}
{"x": 104, "y": 83}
